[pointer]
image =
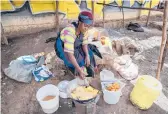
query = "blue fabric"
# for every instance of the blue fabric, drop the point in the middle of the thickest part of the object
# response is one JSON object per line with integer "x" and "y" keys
{"x": 61, "y": 54}
{"x": 85, "y": 19}
{"x": 78, "y": 52}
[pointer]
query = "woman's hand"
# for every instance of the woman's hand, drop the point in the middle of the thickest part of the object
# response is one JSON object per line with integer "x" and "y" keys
{"x": 82, "y": 74}
{"x": 87, "y": 60}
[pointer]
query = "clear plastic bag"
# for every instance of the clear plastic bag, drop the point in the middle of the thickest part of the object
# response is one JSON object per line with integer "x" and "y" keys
{"x": 129, "y": 73}
{"x": 20, "y": 71}
{"x": 125, "y": 67}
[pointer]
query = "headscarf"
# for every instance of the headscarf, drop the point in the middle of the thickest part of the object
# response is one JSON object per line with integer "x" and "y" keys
{"x": 86, "y": 17}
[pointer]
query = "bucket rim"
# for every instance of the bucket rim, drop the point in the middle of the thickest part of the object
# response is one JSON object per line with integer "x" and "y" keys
{"x": 159, "y": 86}
{"x": 40, "y": 89}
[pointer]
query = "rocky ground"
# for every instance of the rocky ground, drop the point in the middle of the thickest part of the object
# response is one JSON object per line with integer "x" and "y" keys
{"x": 19, "y": 98}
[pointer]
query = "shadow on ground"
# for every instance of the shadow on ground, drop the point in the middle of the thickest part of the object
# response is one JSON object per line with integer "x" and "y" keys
{"x": 19, "y": 98}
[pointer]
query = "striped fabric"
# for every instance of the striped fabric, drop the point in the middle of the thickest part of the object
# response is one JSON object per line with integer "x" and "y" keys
{"x": 68, "y": 37}
{"x": 85, "y": 38}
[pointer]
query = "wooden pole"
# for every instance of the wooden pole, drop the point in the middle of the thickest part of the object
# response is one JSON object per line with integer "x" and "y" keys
{"x": 123, "y": 13}
{"x": 4, "y": 39}
{"x": 103, "y": 14}
{"x": 149, "y": 13}
{"x": 164, "y": 37}
{"x": 164, "y": 53}
{"x": 57, "y": 15}
{"x": 93, "y": 11}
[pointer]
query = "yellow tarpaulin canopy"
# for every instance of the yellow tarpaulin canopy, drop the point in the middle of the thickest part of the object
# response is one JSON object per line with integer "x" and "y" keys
{"x": 6, "y": 6}
{"x": 42, "y": 6}
{"x": 69, "y": 8}
{"x": 73, "y": 10}
{"x": 18, "y": 3}
{"x": 147, "y": 5}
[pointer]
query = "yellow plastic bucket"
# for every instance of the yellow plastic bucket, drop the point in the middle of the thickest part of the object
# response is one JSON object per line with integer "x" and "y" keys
{"x": 145, "y": 92}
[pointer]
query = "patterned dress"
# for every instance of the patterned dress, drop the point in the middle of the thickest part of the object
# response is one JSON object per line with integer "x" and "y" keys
{"x": 67, "y": 41}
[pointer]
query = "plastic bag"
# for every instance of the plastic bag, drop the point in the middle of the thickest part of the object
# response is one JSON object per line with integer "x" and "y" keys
{"x": 71, "y": 86}
{"x": 20, "y": 71}
{"x": 21, "y": 68}
{"x": 27, "y": 59}
{"x": 126, "y": 45}
{"x": 106, "y": 75}
{"x": 95, "y": 34}
{"x": 41, "y": 73}
{"x": 123, "y": 60}
{"x": 130, "y": 72}
{"x": 100, "y": 38}
{"x": 125, "y": 67}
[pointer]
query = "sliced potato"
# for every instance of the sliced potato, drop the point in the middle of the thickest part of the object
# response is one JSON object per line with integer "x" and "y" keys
{"x": 84, "y": 93}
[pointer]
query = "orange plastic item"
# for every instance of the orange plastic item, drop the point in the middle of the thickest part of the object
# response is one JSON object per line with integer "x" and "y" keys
{"x": 113, "y": 87}
{"x": 103, "y": 40}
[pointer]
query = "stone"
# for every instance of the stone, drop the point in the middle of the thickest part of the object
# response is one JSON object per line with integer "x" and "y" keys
{"x": 9, "y": 92}
{"x": 140, "y": 57}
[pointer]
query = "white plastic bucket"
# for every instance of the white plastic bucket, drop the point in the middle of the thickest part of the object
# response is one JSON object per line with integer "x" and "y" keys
{"x": 111, "y": 97}
{"x": 52, "y": 105}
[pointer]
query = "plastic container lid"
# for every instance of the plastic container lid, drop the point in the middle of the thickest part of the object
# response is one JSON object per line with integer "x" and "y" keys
{"x": 62, "y": 86}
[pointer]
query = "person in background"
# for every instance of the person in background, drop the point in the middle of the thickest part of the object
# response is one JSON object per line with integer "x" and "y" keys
{"x": 72, "y": 46}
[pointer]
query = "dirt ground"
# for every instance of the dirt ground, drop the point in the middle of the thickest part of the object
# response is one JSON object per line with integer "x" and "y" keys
{"x": 19, "y": 98}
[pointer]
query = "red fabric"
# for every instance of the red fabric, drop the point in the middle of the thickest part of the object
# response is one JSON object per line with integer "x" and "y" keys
{"x": 86, "y": 13}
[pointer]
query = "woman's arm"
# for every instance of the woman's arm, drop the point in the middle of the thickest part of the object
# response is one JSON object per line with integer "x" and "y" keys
{"x": 73, "y": 61}
{"x": 87, "y": 59}
{"x": 85, "y": 43}
{"x": 85, "y": 49}
{"x": 77, "y": 67}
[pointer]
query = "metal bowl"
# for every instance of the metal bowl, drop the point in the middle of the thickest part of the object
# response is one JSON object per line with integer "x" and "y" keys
{"x": 88, "y": 100}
